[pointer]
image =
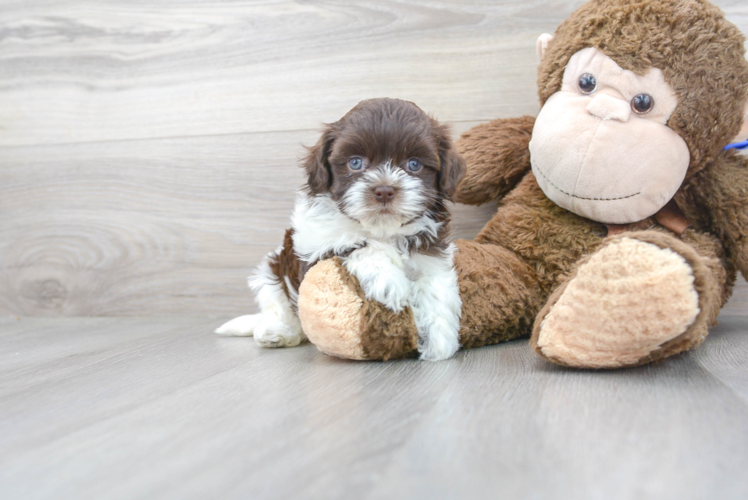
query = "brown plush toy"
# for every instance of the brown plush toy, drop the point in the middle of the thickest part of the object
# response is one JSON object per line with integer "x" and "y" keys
{"x": 622, "y": 218}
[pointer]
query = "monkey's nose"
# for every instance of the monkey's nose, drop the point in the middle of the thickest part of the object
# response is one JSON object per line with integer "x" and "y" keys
{"x": 608, "y": 107}
{"x": 384, "y": 194}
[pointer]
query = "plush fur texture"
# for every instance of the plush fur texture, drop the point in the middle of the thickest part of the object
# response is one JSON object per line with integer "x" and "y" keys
{"x": 687, "y": 40}
{"x": 483, "y": 182}
{"x": 630, "y": 275}
{"x": 340, "y": 321}
{"x": 619, "y": 166}
{"x": 534, "y": 255}
{"x": 683, "y": 39}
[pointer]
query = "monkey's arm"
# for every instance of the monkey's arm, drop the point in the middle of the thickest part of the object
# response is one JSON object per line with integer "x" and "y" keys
{"x": 497, "y": 156}
{"x": 723, "y": 190}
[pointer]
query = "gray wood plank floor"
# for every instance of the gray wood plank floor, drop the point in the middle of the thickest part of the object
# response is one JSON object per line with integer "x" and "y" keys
{"x": 124, "y": 408}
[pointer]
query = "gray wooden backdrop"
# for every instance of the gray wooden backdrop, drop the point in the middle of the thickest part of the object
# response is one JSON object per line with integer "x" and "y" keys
{"x": 148, "y": 149}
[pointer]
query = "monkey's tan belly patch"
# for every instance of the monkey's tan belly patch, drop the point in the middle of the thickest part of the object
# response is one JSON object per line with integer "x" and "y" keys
{"x": 624, "y": 303}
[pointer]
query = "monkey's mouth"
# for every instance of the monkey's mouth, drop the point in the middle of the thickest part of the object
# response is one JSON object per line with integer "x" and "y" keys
{"x": 583, "y": 197}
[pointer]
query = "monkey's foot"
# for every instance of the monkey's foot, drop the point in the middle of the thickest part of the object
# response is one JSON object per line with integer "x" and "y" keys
{"x": 342, "y": 322}
{"x": 631, "y": 303}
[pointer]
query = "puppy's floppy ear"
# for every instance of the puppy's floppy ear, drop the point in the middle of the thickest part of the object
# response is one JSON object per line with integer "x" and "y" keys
{"x": 452, "y": 163}
{"x": 317, "y": 164}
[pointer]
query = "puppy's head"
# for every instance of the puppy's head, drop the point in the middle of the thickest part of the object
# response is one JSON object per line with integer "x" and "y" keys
{"x": 385, "y": 162}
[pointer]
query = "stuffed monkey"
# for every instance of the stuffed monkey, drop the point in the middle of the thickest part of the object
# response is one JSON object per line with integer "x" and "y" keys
{"x": 622, "y": 217}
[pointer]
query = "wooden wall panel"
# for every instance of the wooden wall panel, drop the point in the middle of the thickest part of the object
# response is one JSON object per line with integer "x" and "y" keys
{"x": 148, "y": 150}
{"x": 149, "y": 227}
{"x": 88, "y": 71}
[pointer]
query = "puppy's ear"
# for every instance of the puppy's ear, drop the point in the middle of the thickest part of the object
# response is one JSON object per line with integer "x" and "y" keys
{"x": 453, "y": 170}
{"x": 452, "y": 163}
{"x": 317, "y": 164}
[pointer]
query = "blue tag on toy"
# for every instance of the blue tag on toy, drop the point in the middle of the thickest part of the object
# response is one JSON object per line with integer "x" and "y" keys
{"x": 737, "y": 145}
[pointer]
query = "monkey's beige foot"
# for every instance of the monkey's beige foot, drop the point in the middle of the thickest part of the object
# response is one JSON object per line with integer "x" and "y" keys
{"x": 631, "y": 303}
{"x": 341, "y": 322}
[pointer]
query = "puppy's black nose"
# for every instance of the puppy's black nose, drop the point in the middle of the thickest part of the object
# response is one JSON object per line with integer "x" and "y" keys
{"x": 384, "y": 194}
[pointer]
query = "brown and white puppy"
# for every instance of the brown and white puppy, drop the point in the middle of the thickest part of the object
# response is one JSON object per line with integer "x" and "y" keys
{"x": 377, "y": 183}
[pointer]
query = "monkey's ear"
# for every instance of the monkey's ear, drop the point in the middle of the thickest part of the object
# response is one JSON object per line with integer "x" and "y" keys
{"x": 743, "y": 134}
{"x": 316, "y": 163}
{"x": 542, "y": 44}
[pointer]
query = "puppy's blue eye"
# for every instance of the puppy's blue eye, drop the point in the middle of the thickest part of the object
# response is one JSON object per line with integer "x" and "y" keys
{"x": 414, "y": 165}
{"x": 356, "y": 163}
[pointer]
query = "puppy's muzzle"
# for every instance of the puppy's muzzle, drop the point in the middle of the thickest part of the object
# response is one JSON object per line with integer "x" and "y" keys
{"x": 384, "y": 194}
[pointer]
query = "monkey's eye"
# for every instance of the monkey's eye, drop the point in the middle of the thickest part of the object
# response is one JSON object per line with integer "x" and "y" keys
{"x": 587, "y": 83}
{"x": 356, "y": 163}
{"x": 414, "y": 165}
{"x": 642, "y": 103}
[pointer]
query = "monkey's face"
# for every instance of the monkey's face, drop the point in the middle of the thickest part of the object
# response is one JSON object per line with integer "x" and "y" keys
{"x": 601, "y": 147}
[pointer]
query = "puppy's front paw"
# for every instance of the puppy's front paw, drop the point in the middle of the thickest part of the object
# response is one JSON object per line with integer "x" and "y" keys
{"x": 379, "y": 271}
{"x": 390, "y": 291}
{"x": 274, "y": 333}
{"x": 441, "y": 342}
{"x": 243, "y": 326}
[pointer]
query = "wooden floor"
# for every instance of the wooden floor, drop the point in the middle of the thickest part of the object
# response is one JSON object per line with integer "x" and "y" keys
{"x": 124, "y": 408}
{"x": 148, "y": 160}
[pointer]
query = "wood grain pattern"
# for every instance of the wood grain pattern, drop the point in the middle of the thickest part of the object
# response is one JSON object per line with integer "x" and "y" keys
{"x": 83, "y": 72}
{"x": 149, "y": 227}
{"x": 157, "y": 408}
{"x": 148, "y": 151}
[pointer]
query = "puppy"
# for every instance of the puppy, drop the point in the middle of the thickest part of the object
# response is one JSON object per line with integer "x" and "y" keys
{"x": 377, "y": 183}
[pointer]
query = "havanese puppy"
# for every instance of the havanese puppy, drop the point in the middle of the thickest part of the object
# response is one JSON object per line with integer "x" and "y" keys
{"x": 377, "y": 183}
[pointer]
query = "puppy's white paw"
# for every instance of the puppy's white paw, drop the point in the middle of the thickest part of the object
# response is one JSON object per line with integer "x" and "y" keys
{"x": 441, "y": 342}
{"x": 243, "y": 326}
{"x": 379, "y": 270}
{"x": 274, "y": 333}
{"x": 390, "y": 289}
